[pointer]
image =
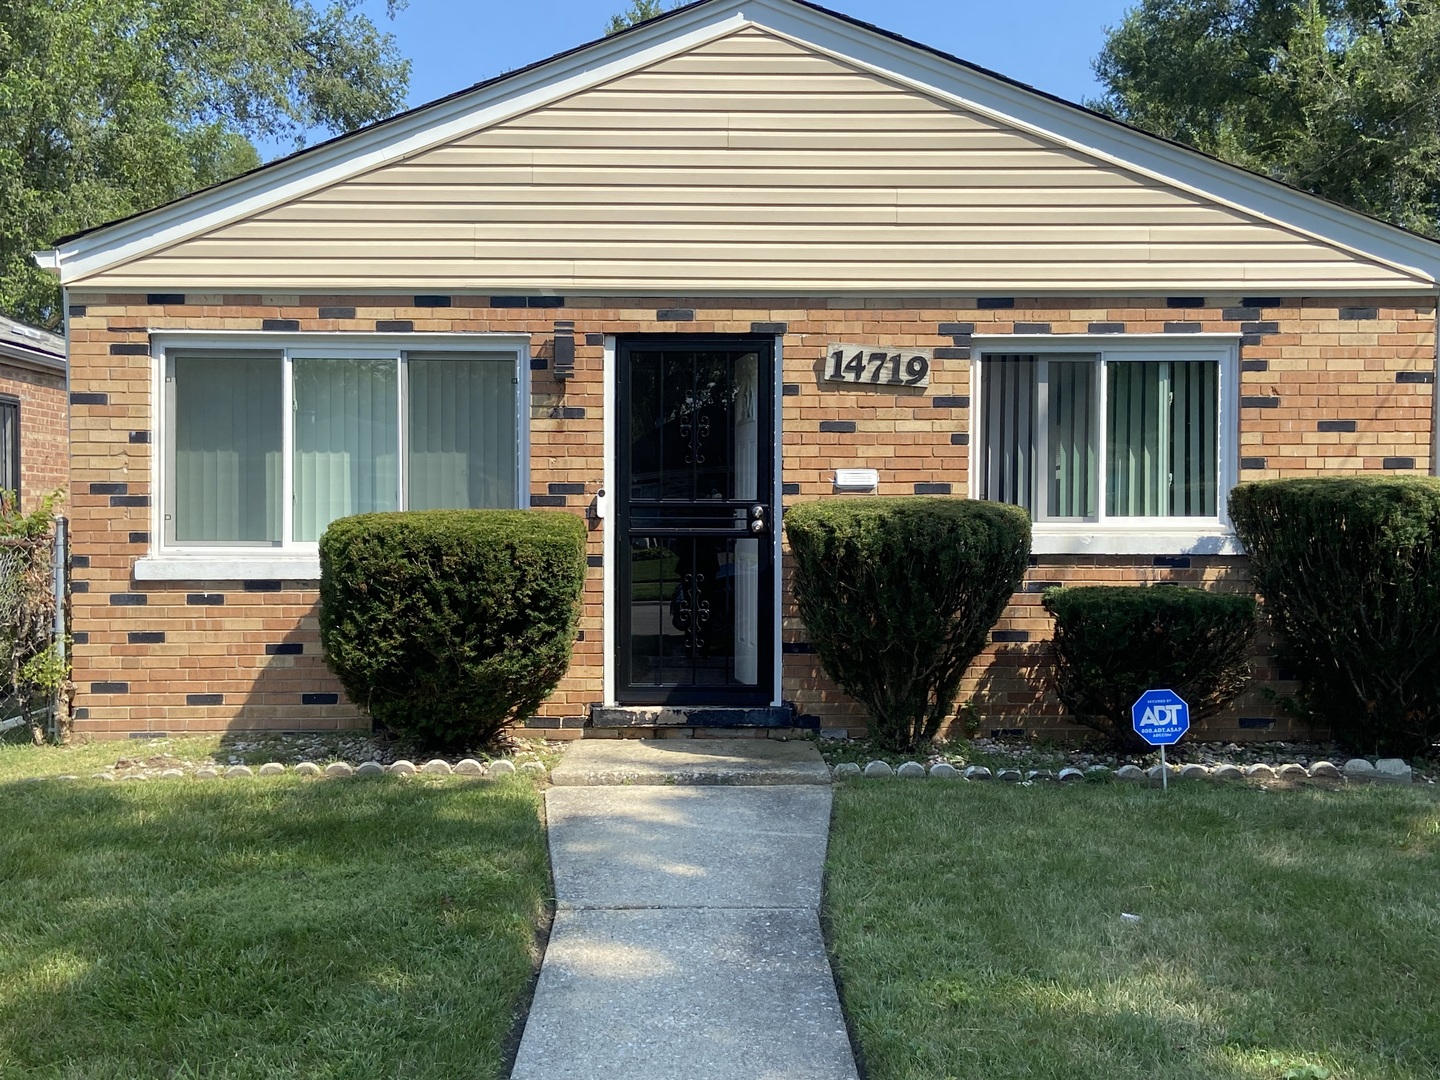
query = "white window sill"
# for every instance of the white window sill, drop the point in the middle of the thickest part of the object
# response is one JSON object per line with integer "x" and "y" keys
{"x": 228, "y": 568}
{"x": 1208, "y": 539}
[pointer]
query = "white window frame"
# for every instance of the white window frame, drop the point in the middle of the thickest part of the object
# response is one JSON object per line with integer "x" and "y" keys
{"x": 289, "y": 559}
{"x": 1127, "y": 535}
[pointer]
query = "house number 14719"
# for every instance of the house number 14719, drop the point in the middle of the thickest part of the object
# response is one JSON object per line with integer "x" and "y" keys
{"x": 872, "y": 366}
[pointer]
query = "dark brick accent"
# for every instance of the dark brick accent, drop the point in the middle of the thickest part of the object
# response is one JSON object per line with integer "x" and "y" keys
{"x": 79, "y": 586}
{"x": 790, "y": 389}
{"x": 1032, "y": 328}
{"x": 797, "y": 648}
{"x": 957, "y": 329}
{"x": 140, "y": 537}
{"x": 1261, "y": 301}
{"x": 545, "y": 723}
{"x": 280, "y": 324}
{"x": 109, "y": 687}
{"x": 1359, "y": 313}
{"x": 1335, "y": 425}
{"x": 1010, "y": 635}
{"x": 1184, "y": 301}
{"x": 82, "y": 713}
{"x": 139, "y": 436}
{"x": 129, "y": 500}
{"x": 594, "y": 339}
{"x": 545, "y": 301}
{"x": 595, "y": 560}
{"x": 507, "y": 301}
{"x": 122, "y": 348}
{"x": 149, "y": 735}
{"x": 129, "y": 599}
{"x": 1414, "y": 376}
{"x": 161, "y": 298}
{"x": 538, "y": 363}
{"x": 207, "y": 599}
{"x": 675, "y": 314}
{"x": 959, "y": 438}
{"x": 204, "y": 699}
{"x": 994, "y": 303}
{"x": 789, "y": 489}
{"x": 1106, "y": 328}
{"x": 1251, "y": 339}
{"x": 1041, "y": 586}
{"x": 285, "y": 648}
{"x": 1007, "y": 733}
{"x": 319, "y": 699}
{"x": 1259, "y": 403}
{"x": 261, "y": 585}
{"x": 961, "y": 401}
{"x": 1174, "y": 562}
{"x": 75, "y": 311}
{"x": 79, "y": 398}
{"x": 109, "y": 489}
{"x": 547, "y": 500}
{"x": 769, "y": 328}
{"x": 80, "y": 562}
{"x": 1252, "y": 463}
{"x": 393, "y": 326}
{"x": 1254, "y": 365}
{"x": 81, "y": 637}
{"x": 1182, "y": 328}
{"x": 1260, "y": 328}
{"x": 932, "y": 489}
{"x": 1397, "y": 463}
{"x": 146, "y": 637}
{"x": 839, "y": 427}
{"x": 579, "y": 635}
{"x": 1250, "y": 723}
{"x": 573, "y": 721}
{"x": 567, "y": 488}
{"x": 953, "y": 352}
{"x": 432, "y": 301}
{"x": 567, "y": 412}
{"x": 1238, "y": 314}
{"x": 336, "y": 313}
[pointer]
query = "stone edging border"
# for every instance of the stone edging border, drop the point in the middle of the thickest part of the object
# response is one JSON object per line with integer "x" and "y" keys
{"x": 466, "y": 767}
{"x": 1385, "y": 770}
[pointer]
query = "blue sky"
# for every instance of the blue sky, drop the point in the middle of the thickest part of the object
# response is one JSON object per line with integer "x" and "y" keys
{"x": 1046, "y": 43}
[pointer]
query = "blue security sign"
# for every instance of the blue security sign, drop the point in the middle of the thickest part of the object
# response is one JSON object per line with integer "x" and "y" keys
{"x": 1160, "y": 717}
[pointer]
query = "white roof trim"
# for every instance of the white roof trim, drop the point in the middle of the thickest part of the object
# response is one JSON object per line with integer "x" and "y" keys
{"x": 685, "y": 29}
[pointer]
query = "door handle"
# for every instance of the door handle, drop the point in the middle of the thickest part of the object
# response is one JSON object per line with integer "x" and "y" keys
{"x": 757, "y": 520}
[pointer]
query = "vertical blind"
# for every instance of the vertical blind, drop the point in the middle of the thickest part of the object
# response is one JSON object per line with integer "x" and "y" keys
{"x": 1161, "y": 435}
{"x": 461, "y": 434}
{"x": 1008, "y": 425}
{"x": 227, "y": 447}
{"x": 10, "y": 447}
{"x": 1069, "y": 396}
{"x": 347, "y": 441}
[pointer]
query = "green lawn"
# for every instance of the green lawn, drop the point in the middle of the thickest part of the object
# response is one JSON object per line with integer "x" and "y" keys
{"x": 978, "y": 931}
{"x": 276, "y": 928}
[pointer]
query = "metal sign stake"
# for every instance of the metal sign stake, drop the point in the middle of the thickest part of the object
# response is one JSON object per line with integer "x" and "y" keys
{"x": 1164, "y": 772}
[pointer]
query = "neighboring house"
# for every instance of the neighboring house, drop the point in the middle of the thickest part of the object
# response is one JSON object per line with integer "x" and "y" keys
{"x": 34, "y": 457}
{"x": 632, "y": 282}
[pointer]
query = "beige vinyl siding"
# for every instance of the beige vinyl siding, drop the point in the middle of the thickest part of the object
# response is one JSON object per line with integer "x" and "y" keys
{"x": 752, "y": 163}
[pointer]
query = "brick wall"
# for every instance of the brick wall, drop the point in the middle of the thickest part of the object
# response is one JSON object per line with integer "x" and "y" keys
{"x": 43, "y": 456}
{"x": 1327, "y": 386}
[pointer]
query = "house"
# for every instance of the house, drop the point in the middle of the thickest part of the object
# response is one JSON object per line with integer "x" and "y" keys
{"x": 739, "y": 256}
{"x": 34, "y": 459}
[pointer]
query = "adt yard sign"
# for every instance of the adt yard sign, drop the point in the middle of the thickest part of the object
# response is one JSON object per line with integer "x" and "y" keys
{"x": 1160, "y": 717}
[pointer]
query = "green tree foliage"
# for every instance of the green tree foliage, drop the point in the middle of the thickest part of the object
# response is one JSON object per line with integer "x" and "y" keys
{"x": 899, "y": 595}
{"x": 110, "y": 107}
{"x": 1338, "y": 97}
{"x": 638, "y": 11}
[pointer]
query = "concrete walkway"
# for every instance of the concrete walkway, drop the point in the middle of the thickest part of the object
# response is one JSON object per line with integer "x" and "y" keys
{"x": 686, "y": 943}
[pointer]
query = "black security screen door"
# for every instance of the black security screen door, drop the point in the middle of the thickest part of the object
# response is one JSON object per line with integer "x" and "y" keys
{"x": 695, "y": 576}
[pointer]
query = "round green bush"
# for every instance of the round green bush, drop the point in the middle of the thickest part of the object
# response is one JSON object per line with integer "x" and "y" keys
{"x": 899, "y": 596}
{"x": 448, "y": 624}
{"x": 1349, "y": 572}
{"x": 1114, "y": 642}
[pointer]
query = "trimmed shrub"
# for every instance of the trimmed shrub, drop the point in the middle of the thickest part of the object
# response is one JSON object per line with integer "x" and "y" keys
{"x": 448, "y": 624}
{"x": 1114, "y": 642}
{"x": 899, "y": 595}
{"x": 1349, "y": 572}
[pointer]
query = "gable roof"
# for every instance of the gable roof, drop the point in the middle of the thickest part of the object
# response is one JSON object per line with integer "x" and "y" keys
{"x": 31, "y": 346}
{"x": 898, "y": 60}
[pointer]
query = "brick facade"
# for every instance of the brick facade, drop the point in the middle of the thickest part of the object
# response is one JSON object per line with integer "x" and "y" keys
{"x": 43, "y": 465}
{"x": 1327, "y": 386}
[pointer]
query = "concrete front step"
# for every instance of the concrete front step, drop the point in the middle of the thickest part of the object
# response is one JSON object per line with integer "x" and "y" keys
{"x": 689, "y": 761}
{"x": 699, "y": 716}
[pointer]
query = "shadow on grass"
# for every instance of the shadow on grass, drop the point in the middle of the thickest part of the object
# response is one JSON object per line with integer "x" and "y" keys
{"x": 287, "y": 929}
{"x": 1276, "y": 930}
